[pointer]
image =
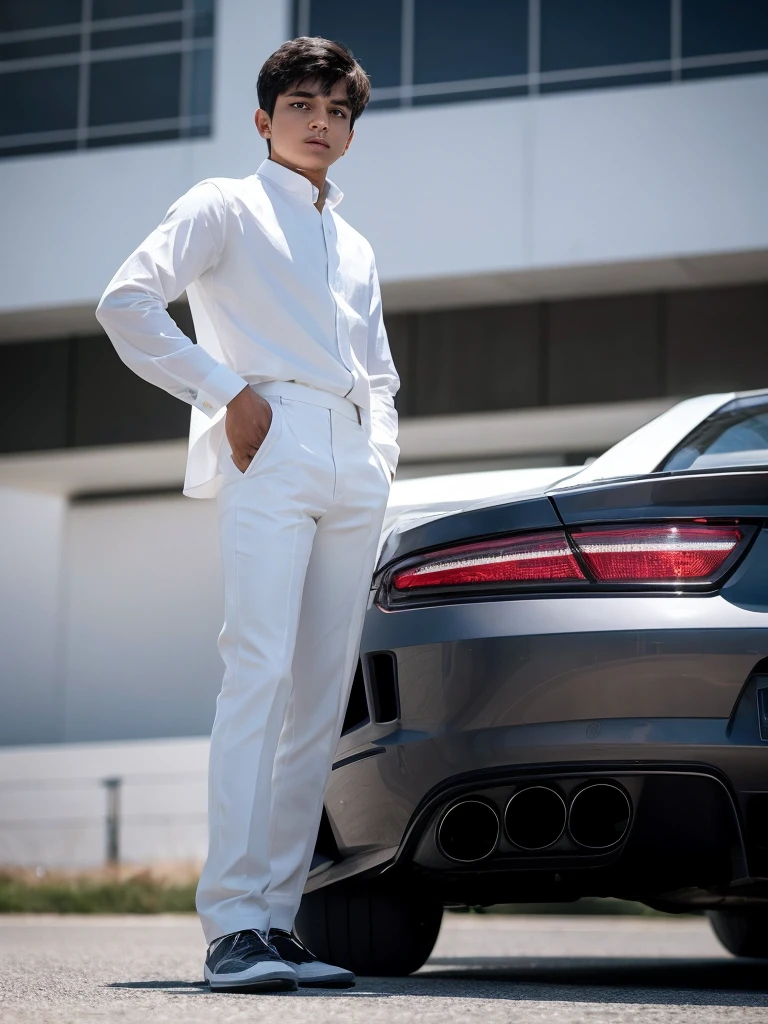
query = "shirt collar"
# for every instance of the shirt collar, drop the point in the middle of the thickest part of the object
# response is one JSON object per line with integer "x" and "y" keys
{"x": 297, "y": 183}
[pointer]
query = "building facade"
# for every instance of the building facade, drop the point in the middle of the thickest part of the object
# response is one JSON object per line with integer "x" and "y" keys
{"x": 567, "y": 202}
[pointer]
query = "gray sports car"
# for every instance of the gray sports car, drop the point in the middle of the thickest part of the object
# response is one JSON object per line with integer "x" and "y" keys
{"x": 562, "y": 692}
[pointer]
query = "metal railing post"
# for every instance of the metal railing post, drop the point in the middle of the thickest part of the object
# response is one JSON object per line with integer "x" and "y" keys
{"x": 113, "y": 787}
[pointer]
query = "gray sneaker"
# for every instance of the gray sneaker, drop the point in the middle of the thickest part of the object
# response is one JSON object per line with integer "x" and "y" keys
{"x": 309, "y": 969}
{"x": 245, "y": 961}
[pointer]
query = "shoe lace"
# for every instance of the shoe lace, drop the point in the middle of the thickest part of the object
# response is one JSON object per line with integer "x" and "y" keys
{"x": 254, "y": 942}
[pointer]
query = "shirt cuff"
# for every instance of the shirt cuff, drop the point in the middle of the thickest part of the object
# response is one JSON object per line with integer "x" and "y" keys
{"x": 218, "y": 389}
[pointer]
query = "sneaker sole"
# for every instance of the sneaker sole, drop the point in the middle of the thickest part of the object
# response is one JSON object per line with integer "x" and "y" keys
{"x": 253, "y": 981}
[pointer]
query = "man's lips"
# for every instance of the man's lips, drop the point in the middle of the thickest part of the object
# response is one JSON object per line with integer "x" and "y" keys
{"x": 318, "y": 142}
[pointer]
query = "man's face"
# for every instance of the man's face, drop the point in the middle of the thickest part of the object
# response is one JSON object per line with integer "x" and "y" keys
{"x": 308, "y": 130}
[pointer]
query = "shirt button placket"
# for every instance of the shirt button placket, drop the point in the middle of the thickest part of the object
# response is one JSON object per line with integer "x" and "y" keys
{"x": 331, "y": 281}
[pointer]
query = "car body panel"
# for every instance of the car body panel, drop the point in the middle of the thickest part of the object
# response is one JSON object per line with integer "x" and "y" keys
{"x": 726, "y": 494}
{"x": 657, "y": 683}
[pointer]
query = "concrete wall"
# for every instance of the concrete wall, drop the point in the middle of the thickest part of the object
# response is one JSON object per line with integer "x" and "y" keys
{"x": 484, "y": 188}
{"x": 53, "y": 803}
{"x": 32, "y": 528}
{"x": 142, "y": 612}
{"x": 111, "y": 612}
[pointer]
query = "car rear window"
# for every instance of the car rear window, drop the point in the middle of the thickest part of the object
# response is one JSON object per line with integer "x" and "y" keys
{"x": 735, "y": 435}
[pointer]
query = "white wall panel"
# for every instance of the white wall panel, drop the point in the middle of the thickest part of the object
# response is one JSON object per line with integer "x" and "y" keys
{"x": 469, "y": 189}
{"x": 143, "y": 612}
{"x": 649, "y": 172}
{"x": 31, "y": 532}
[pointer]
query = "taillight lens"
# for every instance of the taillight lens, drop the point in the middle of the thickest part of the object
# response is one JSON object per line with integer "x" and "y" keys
{"x": 526, "y": 558}
{"x": 656, "y": 552}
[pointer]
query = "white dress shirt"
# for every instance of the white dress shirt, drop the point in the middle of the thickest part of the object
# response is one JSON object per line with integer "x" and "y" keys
{"x": 277, "y": 291}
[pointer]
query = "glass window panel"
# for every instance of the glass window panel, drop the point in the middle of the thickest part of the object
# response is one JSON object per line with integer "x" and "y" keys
{"x": 39, "y": 101}
{"x": 456, "y": 40}
{"x": 108, "y": 395}
{"x": 595, "y": 33}
{"x": 724, "y": 26}
{"x": 35, "y": 408}
{"x": 371, "y": 31}
{"x": 40, "y": 47}
{"x": 758, "y": 67}
{"x": 131, "y": 8}
{"x": 137, "y": 89}
{"x": 202, "y": 25}
{"x": 203, "y": 18}
{"x": 201, "y": 84}
{"x": 469, "y": 95}
{"x": 134, "y": 139}
{"x": 17, "y": 15}
{"x": 37, "y": 147}
{"x": 736, "y": 435}
{"x": 702, "y": 328}
{"x": 170, "y": 30}
{"x": 584, "y": 337}
{"x": 388, "y": 104}
{"x": 612, "y": 82}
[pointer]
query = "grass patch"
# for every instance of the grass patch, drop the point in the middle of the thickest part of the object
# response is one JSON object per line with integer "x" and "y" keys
{"x": 95, "y": 893}
{"x": 126, "y": 890}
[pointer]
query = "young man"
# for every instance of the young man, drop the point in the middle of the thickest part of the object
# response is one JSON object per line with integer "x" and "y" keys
{"x": 293, "y": 428}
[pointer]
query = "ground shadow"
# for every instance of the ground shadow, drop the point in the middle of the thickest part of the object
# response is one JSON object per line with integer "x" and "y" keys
{"x": 549, "y": 979}
{"x": 630, "y": 979}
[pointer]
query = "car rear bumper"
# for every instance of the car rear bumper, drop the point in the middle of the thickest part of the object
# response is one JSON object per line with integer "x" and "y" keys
{"x": 511, "y": 691}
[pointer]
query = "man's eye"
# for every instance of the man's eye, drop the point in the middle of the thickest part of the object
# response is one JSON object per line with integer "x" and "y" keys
{"x": 299, "y": 103}
{"x": 340, "y": 112}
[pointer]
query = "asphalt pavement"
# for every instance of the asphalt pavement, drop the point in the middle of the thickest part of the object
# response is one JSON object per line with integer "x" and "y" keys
{"x": 595, "y": 970}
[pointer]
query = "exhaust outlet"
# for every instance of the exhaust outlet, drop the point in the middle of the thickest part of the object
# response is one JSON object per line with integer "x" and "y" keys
{"x": 535, "y": 817}
{"x": 600, "y": 815}
{"x": 469, "y": 831}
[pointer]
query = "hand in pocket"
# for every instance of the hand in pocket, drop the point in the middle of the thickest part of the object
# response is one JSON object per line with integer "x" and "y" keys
{"x": 247, "y": 421}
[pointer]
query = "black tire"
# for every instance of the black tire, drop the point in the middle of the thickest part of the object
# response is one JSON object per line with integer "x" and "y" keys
{"x": 377, "y": 928}
{"x": 742, "y": 932}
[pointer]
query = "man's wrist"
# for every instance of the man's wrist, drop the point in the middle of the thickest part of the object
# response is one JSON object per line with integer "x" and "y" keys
{"x": 235, "y": 397}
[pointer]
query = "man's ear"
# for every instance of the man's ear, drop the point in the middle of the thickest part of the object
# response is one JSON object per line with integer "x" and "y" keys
{"x": 349, "y": 142}
{"x": 263, "y": 123}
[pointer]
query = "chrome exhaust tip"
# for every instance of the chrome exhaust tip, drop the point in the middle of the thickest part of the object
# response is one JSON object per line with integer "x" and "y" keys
{"x": 469, "y": 831}
{"x": 599, "y": 816}
{"x": 535, "y": 817}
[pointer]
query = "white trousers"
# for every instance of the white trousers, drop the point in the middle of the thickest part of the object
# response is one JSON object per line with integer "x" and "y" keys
{"x": 299, "y": 534}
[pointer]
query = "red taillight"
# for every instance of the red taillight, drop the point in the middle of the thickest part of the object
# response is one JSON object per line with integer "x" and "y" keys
{"x": 527, "y": 558}
{"x": 657, "y": 552}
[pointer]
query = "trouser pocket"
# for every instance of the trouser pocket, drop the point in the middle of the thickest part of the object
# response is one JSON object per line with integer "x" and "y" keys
{"x": 270, "y": 439}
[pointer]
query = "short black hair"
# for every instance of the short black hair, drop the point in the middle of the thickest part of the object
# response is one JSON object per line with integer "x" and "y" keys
{"x": 313, "y": 58}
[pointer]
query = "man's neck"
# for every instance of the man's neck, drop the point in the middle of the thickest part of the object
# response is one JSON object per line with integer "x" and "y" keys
{"x": 316, "y": 177}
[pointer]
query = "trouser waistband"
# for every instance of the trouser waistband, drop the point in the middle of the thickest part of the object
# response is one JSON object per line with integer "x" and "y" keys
{"x": 313, "y": 396}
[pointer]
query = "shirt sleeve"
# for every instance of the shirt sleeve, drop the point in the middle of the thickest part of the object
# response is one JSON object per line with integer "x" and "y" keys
{"x": 134, "y": 308}
{"x": 384, "y": 381}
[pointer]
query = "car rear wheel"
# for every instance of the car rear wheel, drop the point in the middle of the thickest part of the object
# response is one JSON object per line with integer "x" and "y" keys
{"x": 742, "y": 932}
{"x": 378, "y": 928}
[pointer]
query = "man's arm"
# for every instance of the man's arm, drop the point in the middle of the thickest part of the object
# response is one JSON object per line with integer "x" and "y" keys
{"x": 134, "y": 308}
{"x": 384, "y": 381}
